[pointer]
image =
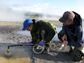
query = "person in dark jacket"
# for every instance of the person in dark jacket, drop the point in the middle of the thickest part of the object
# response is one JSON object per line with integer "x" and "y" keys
{"x": 41, "y": 31}
{"x": 72, "y": 31}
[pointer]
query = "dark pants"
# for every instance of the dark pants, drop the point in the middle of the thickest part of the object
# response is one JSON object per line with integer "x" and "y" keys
{"x": 60, "y": 35}
{"x": 74, "y": 43}
{"x": 42, "y": 36}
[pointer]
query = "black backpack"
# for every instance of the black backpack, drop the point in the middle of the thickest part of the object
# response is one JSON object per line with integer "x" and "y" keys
{"x": 77, "y": 54}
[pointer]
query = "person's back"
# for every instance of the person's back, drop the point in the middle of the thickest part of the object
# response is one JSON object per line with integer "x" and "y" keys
{"x": 43, "y": 25}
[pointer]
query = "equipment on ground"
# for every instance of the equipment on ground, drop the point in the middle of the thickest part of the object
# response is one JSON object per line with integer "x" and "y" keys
{"x": 78, "y": 53}
{"x": 59, "y": 49}
{"x": 36, "y": 49}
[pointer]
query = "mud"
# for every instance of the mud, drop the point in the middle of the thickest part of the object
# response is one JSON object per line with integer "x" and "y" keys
{"x": 18, "y": 55}
{"x": 9, "y": 36}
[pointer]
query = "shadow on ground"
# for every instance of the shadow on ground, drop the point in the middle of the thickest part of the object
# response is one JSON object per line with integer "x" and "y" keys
{"x": 53, "y": 57}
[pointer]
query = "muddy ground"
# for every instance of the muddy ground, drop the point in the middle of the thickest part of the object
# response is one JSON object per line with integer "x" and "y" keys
{"x": 23, "y": 54}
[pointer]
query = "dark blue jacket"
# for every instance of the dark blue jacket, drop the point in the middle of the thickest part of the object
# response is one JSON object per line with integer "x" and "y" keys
{"x": 74, "y": 31}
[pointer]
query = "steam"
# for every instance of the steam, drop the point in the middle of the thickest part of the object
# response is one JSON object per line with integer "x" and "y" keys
{"x": 7, "y": 14}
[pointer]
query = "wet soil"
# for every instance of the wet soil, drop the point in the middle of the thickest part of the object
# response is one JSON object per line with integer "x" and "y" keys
{"x": 23, "y": 54}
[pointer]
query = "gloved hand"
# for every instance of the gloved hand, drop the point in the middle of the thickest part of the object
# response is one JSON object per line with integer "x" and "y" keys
{"x": 28, "y": 43}
{"x": 42, "y": 43}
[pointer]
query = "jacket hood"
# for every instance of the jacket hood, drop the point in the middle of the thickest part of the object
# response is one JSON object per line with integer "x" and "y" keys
{"x": 78, "y": 18}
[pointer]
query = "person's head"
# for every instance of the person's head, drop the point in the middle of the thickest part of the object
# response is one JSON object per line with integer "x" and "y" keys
{"x": 67, "y": 18}
{"x": 27, "y": 25}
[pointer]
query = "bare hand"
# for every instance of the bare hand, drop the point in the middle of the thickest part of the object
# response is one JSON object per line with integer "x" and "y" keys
{"x": 64, "y": 38}
{"x": 65, "y": 43}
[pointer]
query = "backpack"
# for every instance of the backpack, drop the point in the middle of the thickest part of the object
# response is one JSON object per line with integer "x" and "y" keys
{"x": 78, "y": 53}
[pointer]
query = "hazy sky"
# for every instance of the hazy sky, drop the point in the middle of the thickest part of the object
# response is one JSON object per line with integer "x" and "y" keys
{"x": 56, "y": 7}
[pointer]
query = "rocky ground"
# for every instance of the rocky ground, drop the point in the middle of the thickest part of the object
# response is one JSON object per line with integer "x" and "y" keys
{"x": 9, "y": 36}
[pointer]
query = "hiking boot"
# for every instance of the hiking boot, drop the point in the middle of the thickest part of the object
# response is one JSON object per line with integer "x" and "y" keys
{"x": 70, "y": 51}
{"x": 46, "y": 50}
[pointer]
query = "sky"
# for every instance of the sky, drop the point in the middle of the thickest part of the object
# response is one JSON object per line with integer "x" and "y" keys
{"x": 53, "y": 7}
